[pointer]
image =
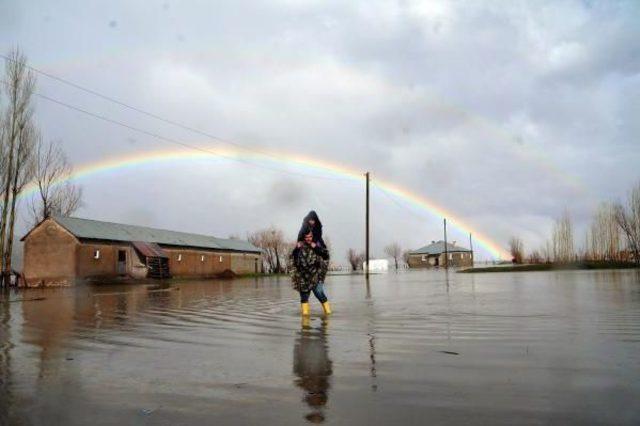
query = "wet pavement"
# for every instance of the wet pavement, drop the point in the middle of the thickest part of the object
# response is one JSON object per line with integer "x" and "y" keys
{"x": 409, "y": 348}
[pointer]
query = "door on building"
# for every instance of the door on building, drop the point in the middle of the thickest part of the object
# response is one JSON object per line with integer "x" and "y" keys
{"x": 122, "y": 262}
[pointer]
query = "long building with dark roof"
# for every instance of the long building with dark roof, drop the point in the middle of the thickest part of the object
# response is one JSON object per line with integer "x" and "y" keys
{"x": 64, "y": 250}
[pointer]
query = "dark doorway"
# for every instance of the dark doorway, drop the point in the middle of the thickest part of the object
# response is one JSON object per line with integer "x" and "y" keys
{"x": 122, "y": 262}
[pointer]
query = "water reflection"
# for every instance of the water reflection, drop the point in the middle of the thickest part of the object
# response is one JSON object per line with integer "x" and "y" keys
{"x": 218, "y": 352}
{"x": 5, "y": 361}
{"x": 372, "y": 357}
{"x": 313, "y": 368}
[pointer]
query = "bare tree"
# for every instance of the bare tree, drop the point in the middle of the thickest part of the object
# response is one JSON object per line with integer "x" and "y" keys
{"x": 287, "y": 248}
{"x": 259, "y": 239}
{"x": 535, "y": 257}
{"x": 405, "y": 256}
{"x": 355, "y": 259}
{"x": 274, "y": 247}
{"x": 516, "y": 248}
{"x": 562, "y": 239}
{"x": 3, "y": 165}
{"x": 23, "y": 173}
{"x": 329, "y": 246}
{"x": 14, "y": 118}
{"x": 3, "y": 189}
{"x": 628, "y": 219}
{"x": 603, "y": 237}
{"x": 55, "y": 195}
{"x": 547, "y": 251}
{"x": 394, "y": 251}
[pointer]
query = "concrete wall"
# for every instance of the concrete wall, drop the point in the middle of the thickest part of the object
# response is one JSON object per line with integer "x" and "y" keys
{"x": 245, "y": 263}
{"x": 49, "y": 255}
{"x": 191, "y": 264}
{"x": 456, "y": 259}
{"x": 106, "y": 264}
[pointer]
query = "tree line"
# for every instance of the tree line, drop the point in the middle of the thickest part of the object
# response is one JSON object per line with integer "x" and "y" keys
{"x": 26, "y": 159}
{"x": 394, "y": 251}
{"x": 276, "y": 249}
{"x": 612, "y": 236}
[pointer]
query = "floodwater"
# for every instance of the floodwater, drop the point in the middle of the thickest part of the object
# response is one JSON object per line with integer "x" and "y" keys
{"x": 410, "y": 348}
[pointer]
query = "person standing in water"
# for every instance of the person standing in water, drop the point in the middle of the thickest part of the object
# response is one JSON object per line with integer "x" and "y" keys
{"x": 308, "y": 266}
{"x": 312, "y": 221}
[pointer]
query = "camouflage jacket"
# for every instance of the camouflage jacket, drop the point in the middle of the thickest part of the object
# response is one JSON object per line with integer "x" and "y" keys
{"x": 308, "y": 267}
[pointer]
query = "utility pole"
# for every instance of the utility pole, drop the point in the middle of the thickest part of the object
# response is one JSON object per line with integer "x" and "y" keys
{"x": 366, "y": 251}
{"x": 471, "y": 248}
{"x": 446, "y": 250}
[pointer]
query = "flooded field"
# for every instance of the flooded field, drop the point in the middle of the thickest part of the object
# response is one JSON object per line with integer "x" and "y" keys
{"x": 409, "y": 348}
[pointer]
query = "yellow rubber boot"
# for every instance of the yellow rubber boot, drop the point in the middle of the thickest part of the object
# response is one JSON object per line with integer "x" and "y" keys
{"x": 327, "y": 308}
{"x": 304, "y": 308}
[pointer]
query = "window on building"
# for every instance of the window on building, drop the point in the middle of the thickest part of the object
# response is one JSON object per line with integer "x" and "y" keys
{"x": 220, "y": 259}
{"x": 179, "y": 258}
{"x": 202, "y": 258}
{"x": 96, "y": 254}
{"x": 450, "y": 256}
{"x": 424, "y": 258}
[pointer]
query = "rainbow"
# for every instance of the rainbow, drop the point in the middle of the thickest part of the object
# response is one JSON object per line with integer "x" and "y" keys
{"x": 164, "y": 156}
{"x": 528, "y": 152}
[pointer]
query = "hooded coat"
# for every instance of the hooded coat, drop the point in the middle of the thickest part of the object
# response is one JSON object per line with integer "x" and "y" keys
{"x": 308, "y": 267}
{"x": 316, "y": 228}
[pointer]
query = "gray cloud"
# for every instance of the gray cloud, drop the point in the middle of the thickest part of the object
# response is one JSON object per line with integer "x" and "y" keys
{"x": 502, "y": 114}
{"x": 287, "y": 193}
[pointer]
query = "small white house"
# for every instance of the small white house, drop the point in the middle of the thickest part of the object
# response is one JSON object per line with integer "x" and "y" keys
{"x": 377, "y": 265}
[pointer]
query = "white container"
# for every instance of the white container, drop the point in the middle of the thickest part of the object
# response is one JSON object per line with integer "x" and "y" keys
{"x": 377, "y": 265}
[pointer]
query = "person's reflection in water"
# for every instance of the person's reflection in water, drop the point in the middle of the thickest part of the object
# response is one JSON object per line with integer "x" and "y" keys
{"x": 312, "y": 365}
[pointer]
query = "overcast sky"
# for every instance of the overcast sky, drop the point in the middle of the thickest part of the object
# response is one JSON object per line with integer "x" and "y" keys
{"x": 504, "y": 113}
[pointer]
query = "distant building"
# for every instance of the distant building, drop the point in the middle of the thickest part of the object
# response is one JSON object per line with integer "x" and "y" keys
{"x": 376, "y": 265}
{"x": 62, "y": 250}
{"x": 433, "y": 255}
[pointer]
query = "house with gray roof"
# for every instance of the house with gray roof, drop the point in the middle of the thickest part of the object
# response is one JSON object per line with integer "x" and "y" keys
{"x": 438, "y": 254}
{"x": 64, "y": 250}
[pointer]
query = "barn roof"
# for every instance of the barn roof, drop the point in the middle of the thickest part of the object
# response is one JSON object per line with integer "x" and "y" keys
{"x": 97, "y": 230}
{"x": 437, "y": 247}
{"x": 149, "y": 249}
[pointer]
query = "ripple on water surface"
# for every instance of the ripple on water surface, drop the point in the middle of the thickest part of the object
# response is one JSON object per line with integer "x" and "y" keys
{"x": 461, "y": 348}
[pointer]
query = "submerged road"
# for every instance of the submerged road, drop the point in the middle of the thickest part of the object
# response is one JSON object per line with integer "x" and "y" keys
{"x": 410, "y": 348}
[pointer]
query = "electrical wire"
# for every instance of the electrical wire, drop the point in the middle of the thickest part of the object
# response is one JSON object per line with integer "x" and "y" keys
{"x": 177, "y": 124}
{"x": 175, "y": 141}
{"x": 396, "y": 202}
{"x": 142, "y": 111}
{"x": 125, "y": 105}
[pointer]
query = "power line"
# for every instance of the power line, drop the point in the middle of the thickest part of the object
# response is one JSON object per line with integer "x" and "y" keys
{"x": 170, "y": 140}
{"x": 397, "y": 203}
{"x": 204, "y": 150}
{"x": 177, "y": 142}
{"x": 174, "y": 141}
{"x": 140, "y": 110}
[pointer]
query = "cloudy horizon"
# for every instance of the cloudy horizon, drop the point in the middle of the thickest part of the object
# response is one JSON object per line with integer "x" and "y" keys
{"x": 505, "y": 114}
